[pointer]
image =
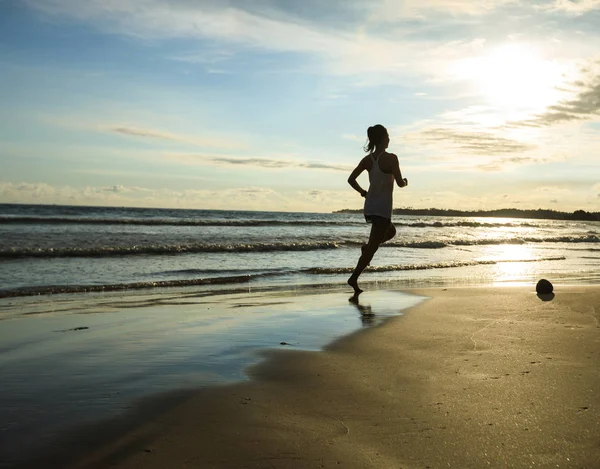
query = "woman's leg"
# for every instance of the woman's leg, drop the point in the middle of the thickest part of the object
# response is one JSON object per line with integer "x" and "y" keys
{"x": 379, "y": 229}
{"x": 389, "y": 233}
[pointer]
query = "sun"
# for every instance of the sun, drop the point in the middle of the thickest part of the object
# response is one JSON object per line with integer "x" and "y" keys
{"x": 513, "y": 77}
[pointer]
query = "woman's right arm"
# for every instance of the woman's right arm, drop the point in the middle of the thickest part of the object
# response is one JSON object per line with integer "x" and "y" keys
{"x": 352, "y": 179}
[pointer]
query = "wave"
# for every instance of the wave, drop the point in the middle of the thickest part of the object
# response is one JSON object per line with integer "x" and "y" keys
{"x": 156, "y": 250}
{"x": 163, "y": 249}
{"x": 494, "y": 241}
{"x": 467, "y": 224}
{"x": 202, "y": 272}
{"x": 241, "y": 279}
{"x": 168, "y": 222}
{"x": 58, "y": 289}
{"x": 438, "y": 265}
{"x": 226, "y": 222}
{"x": 529, "y": 239}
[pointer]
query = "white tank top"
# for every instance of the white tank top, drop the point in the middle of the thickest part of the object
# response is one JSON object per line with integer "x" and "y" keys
{"x": 379, "y": 197}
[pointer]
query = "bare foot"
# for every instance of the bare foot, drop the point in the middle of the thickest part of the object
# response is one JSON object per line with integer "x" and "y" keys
{"x": 354, "y": 284}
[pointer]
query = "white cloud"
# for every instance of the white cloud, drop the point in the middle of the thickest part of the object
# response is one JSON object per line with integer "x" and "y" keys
{"x": 350, "y": 51}
{"x": 242, "y": 198}
{"x": 391, "y": 10}
{"x": 475, "y": 142}
{"x": 354, "y": 138}
{"x": 265, "y": 198}
{"x": 161, "y": 19}
{"x": 262, "y": 162}
{"x": 584, "y": 104}
{"x": 168, "y": 136}
{"x": 574, "y": 7}
{"x": 85, "y": 123}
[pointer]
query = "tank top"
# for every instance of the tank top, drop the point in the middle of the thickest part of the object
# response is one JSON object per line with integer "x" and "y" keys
{"x": 379, "y": 197}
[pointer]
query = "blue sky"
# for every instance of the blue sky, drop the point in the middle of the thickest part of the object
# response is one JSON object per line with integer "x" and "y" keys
{"x": 264, "y": 104}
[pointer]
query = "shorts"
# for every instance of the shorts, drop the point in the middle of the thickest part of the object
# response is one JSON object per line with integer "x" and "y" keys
{"x": 377, "y": 219}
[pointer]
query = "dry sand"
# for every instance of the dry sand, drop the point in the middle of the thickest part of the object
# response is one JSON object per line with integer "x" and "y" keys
{"x": 471, "y": 378}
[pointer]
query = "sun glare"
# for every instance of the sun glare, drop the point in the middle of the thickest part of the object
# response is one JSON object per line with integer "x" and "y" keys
{"x": 514, "y": 78}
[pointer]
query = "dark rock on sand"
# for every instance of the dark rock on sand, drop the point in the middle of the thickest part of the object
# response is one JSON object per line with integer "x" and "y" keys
{"x": 544, "y": 287}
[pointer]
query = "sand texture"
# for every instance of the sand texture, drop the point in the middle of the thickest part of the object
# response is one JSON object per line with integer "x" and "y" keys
{"x": 471, "y": 378}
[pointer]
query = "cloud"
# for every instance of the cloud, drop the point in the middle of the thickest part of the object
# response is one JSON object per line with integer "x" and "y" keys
{"x": 83, "y": 122}
{"x": 551, "y": 189}
{"x": 277, "y": 164}
{"x": 585, "y": 105}
{"x": 325, "y": 166}
{"x": 390, "y": 10}
{"x": 266, "y": 163}
{"x": 342, "y": 49}
{"x": 241, "y": 198}
{"x": 503, "y": 164}
{"x": 200, "y": 20}
{"x": 117, "y": 188}
{"x": 160, "y": 135}
{"x": 476, "y": 142}
{"x": 573, "y": 7}
{"x": 146, "y": 133}
{"x": 120, "y": 189}
{"x": 354, "y": 138}
{"x": 261, "y": 162}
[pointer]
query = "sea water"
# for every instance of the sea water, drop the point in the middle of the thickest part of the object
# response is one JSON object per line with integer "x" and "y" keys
{"x": 46, "y": 248}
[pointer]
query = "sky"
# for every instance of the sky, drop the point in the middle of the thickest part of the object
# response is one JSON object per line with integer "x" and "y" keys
{"x": 265, "y": 104}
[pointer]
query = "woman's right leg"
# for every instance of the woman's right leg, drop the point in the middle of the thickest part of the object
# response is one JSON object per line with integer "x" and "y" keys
{"x": 379, "y": 228}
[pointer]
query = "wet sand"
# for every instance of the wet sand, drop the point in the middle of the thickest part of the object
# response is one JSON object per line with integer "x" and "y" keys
{"x": 471, "y": 378}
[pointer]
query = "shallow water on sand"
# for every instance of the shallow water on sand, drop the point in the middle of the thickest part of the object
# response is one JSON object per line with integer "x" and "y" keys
{"x": 71, "y": 360}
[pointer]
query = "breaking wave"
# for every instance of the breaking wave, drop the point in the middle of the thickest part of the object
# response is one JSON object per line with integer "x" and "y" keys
{"x": 227, "y": 222}
{"x": 268, "y": 247}
{"x": 241, "y": 279}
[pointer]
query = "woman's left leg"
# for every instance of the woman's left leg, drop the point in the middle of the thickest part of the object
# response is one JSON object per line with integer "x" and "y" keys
{"x": 379, "y": 230}
{"x": 389, "y": 233}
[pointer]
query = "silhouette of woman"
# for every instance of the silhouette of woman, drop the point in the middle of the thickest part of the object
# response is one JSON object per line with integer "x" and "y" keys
{"x": 383, "y": 169}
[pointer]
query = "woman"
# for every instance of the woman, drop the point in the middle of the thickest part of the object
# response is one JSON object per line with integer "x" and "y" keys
{"x": 383, "y": 169}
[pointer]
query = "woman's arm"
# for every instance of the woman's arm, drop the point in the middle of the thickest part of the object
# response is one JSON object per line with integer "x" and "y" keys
{"x": 402, "y": 182}
{"x": 352, "y": 179}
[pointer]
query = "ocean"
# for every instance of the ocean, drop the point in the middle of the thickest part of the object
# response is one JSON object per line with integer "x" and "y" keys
{"x": 63, "y": 249}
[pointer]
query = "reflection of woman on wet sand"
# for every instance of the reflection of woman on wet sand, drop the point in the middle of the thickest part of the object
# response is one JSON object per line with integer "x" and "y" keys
{"x": 367, "y": 316}
{"x": 383, "y": 169}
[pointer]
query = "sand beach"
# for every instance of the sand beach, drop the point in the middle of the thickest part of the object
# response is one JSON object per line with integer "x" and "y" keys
{"x": 468, "y": 378}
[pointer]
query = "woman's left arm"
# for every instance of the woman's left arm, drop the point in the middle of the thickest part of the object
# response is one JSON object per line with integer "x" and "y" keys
{"x": 402, "y": 182}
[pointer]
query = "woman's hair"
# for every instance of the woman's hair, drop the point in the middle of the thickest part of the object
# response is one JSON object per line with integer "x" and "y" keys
{"x": 376, "y": 134}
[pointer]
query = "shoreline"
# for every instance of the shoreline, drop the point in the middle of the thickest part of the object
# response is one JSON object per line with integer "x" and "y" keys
{"x": 491, "y": 381}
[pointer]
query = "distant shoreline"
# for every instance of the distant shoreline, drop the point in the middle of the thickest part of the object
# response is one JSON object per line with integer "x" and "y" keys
{"x": 578, "y": 215}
